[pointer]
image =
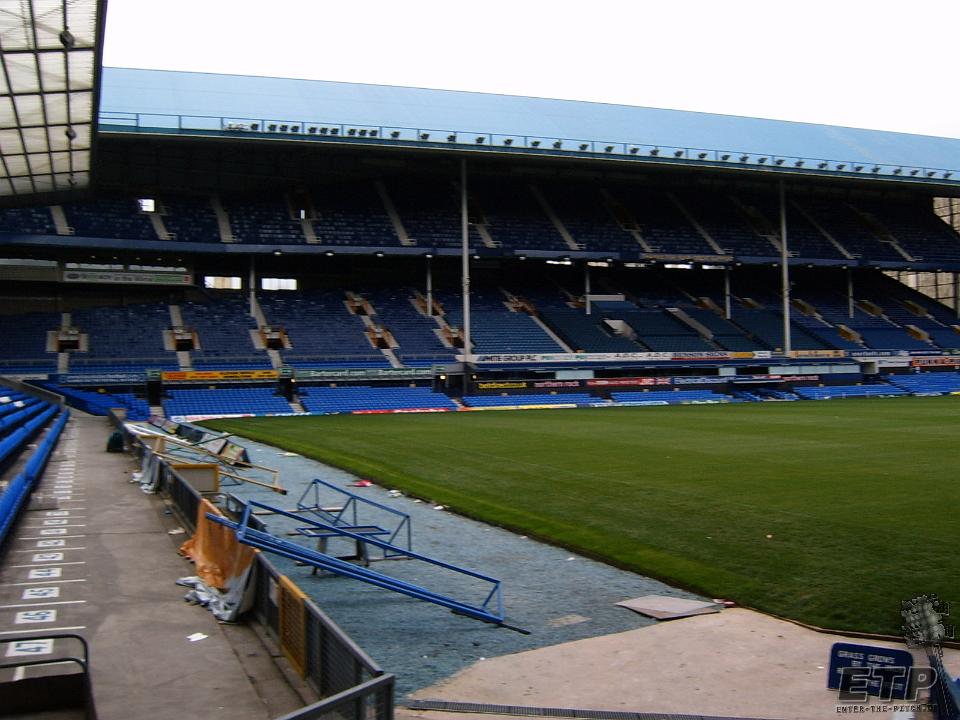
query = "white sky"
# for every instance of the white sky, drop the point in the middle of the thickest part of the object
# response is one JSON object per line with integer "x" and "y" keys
{"x": 882, "y": 64}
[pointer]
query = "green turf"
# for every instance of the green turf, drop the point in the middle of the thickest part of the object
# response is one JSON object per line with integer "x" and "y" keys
{"x": 860, "y": 497}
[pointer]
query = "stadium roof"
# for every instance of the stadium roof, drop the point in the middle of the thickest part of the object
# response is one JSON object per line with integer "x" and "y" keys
{"x": 158, "y": 101}
{"x": 49, "y": 57}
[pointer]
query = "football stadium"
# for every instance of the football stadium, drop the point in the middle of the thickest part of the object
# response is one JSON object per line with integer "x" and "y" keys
{"x": 439, "y": 403}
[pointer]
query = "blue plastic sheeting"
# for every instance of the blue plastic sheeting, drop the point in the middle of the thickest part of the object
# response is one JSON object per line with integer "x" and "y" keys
{"x": 20, "y": 488}
{"x": 202, "y": 94}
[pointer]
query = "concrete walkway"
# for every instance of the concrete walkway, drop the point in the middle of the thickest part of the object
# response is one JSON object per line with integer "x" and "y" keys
{"x": 103, "y": 565}
{"x": 737, "y": 663}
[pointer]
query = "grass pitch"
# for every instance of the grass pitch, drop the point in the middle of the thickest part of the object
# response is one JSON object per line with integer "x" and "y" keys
{"x": 826, "y": 512}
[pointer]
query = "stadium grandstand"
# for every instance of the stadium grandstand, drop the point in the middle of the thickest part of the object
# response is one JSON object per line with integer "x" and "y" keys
{"x": 222, "y": 242}
{"x": 182, "y": 246}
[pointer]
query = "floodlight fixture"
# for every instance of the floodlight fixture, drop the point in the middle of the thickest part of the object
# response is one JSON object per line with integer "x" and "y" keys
{"x": 254, "y": 126}
{"x": 480, "y": 139}
{"x": 779, "y": 161}
{"x": 535, "y": 143}
{"x": 725, "y": 157}
{"x": 283, "y": 128}
{"x": 822, "y": 166}
{"x": 655, "y": 152}
{"x": 897, "y": 171}
{"x": 378, "y": 253}
{"x": 272, "y": 127}
{"x": 799, "y": 163}
{"x": 373, "y": 133}
{"x": 857, "y": 168}
{"x": 608, "y": 148}
{"x": 312, "y": 129}
{"x": 914, "y": 172}
{"x": 678, "y": 153}
{"x": 67, "y": 39}
{"x": 841, "y": 166}
{"x": 451, "y": 138}
{"x": 362, "y": 132}
{"x": 946, "y": 175}
{"x": 761, "y": 160}
{"x": 424, "y": 136}
{"x": 334, "y": 131}
{"x": 394, "y": 134}
{"x": 702, "y": 155}
{"x": 329, "y": 253}
{"x": 634, "y": 150}
{"x": 295, "y": 128}
{"x": 584, "y": 146}
{"x": 508, "y": 141}
{"x": 557, "y": 144}
{"x": 351, "y": 131}
{"x": 324, "y": 131}
{"x": 875, "y": 169}
{"x": 744, "y": 158}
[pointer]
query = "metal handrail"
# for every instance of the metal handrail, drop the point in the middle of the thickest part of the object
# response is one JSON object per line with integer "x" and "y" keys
{"x": 486, "y": 141}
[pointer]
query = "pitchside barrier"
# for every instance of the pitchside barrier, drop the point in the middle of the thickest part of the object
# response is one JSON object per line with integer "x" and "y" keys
{"x": 945, "y": 693}
{"x": 352, "y": 685}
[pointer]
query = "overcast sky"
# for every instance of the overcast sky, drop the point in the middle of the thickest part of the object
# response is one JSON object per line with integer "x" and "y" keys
{"x": 882, "y": 64}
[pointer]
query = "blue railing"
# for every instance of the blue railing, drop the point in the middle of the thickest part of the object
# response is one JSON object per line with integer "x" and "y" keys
{"x": 301, "y": 129}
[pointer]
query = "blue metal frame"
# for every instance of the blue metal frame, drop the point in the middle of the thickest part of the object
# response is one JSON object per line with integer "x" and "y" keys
{"x": 247, "y": 535}
{"x": 350, "y": 509}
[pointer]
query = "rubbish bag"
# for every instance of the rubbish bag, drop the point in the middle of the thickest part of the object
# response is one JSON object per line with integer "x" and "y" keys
{"x": 115, "y": 442}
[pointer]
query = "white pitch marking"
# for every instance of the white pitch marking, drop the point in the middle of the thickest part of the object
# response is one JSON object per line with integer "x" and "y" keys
{"x": 45, "y": 572}
{"x": 51, "y": 630}
{"x": 42, "y": 604}
{"x": 47, "y": 557}
{"x": 21, "y": 584}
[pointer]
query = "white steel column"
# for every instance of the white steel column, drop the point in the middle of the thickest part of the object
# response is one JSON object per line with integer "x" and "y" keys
{"x": 465, "y": 252}
{"x": 726, "y": 292}
{"x": 785, "y": 270}
{"x": 849, "y": 293}
{"x": 586, "y": 286}
{"x": 429, "y": 286}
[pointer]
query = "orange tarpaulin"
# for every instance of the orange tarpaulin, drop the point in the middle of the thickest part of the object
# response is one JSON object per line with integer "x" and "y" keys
{"x": 214, "y": 549}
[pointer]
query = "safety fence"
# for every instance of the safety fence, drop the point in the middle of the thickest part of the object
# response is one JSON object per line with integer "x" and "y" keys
{"x": 352, "y": 685}
{"x": 945, "y": 693}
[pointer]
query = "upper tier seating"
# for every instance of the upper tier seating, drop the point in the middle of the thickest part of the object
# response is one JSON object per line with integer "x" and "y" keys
{"x": 109, "y": 217}
{"x": 190, "y": 219}
{"x": 327, "y": 400}
{"x": 351, "y": 213}
{"x": 263, "y": 220}
{"x": 600, "y": 218}
{"x": 100, "y": 403}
